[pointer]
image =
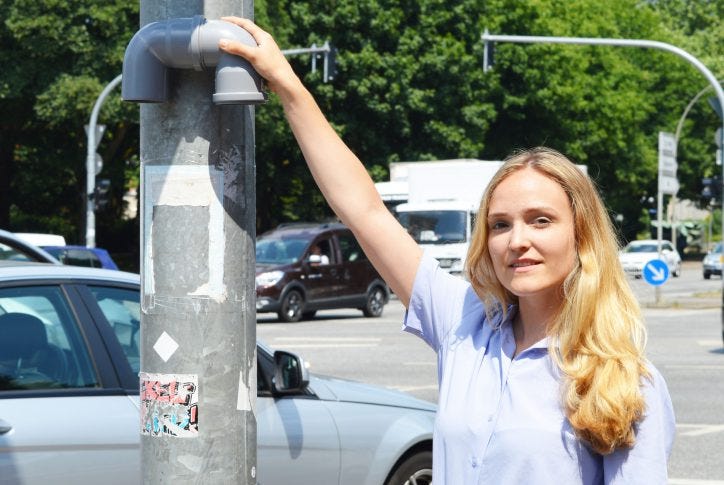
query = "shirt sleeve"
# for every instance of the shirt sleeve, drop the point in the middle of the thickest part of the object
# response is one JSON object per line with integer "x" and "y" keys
{"x": 646, "y": 461}
{"x": 437, "y": 302}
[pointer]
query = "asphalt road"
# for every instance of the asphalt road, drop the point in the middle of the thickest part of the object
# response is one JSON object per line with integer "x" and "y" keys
{"x": 685, "y": 344}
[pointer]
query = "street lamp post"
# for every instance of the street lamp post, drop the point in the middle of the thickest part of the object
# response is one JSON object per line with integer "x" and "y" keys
{"x": 90, "y": 164}
{"x": 677, "y": 136}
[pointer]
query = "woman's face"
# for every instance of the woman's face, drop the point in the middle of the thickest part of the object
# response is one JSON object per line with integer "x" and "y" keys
{"x": 530, "y": 235}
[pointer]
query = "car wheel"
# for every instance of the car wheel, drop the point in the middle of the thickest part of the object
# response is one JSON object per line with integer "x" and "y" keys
{"x": 707, "y": 275}
{"x": 292, "y": 307}
{"x": 414, "y": 470}
{"x": 375, "y": 303}
{"x": 309, "y": 315}
{"x": 677, "y": 270}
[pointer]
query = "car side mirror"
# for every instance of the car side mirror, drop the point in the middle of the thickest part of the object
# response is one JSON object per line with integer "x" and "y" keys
{"x": 314, "y": 259}
{"x": 290, "y": 374}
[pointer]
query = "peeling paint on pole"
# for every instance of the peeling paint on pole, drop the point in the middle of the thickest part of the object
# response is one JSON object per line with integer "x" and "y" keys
{"x": 172, "y": 192}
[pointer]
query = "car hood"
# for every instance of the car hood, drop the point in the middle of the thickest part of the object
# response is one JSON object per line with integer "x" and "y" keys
{"x": 712, "y": 258}
{"x": 263, "y": 268}
{"x": 336, "y": 389}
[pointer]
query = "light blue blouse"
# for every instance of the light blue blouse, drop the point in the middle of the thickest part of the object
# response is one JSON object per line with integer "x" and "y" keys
{"x": 499, "y": 419}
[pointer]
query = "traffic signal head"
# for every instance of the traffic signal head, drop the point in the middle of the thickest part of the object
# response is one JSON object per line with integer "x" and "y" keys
{"x": 711, "y": 190}
{"x": 330, "y": 65}
{"x": 101, "y": 193}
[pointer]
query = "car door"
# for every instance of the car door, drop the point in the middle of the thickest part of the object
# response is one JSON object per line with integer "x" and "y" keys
{"x": 64, "y": 416}
{"x": 356, "y": 273}
{"x": 322, "y": 278}
{"x": 297, "y": 438}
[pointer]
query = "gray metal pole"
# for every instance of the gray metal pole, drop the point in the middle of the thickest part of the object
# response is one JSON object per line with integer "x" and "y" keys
{"x": 198, "y": 320}
{"x": 90, "y": 163}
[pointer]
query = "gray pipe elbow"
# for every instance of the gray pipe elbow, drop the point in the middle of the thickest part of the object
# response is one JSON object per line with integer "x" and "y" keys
{"x": 188, "y": 43}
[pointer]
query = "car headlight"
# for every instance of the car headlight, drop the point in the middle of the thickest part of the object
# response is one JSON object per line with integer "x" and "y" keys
{"x": 270, "y": 278}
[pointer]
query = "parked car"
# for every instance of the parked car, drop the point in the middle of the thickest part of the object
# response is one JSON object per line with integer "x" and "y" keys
{"x": 15, "y": 248}
{"x": 712, "y": 263}
{"x": 41, "y": 239}
{"x": 82, "y": 256}
{"x": 69, "y": 395}
{"x": 302, "y": 268}
{"x": 637, "y": 253}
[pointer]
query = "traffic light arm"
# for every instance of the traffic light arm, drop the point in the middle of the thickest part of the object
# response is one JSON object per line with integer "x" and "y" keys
{"x": 653, "y": 44}
{"x": 330, "y": 63}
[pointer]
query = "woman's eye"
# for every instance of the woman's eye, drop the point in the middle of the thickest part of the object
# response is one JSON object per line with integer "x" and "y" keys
{"x": 498, "y": 225}
{"x": 541, "y": 221}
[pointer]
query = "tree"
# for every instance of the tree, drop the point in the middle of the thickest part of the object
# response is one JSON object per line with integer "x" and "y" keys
{"x": 696, "y": 27}
{"x": 57, "y": 57}
{"x": 410, "y": 86}
{"x": 604, "y": 106}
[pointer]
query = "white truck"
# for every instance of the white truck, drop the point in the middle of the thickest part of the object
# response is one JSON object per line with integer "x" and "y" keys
{"x": 437, "y": 202}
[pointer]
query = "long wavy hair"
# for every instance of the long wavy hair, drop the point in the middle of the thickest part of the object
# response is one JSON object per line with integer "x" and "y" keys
{"x": 598, "y": 334}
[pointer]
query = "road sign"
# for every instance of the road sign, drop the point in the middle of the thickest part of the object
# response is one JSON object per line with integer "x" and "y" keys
{"x": 668, "y": 184}
{"x": 656, "y": 272}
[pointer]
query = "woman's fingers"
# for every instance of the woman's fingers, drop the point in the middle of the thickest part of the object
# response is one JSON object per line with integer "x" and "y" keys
{"x": 237, "y": 48}
{"x": 266, "y": 57}
{"x": 248, "y": 25}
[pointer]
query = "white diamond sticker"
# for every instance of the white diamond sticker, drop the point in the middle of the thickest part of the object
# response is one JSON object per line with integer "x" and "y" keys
{"x": 165, "y": 346}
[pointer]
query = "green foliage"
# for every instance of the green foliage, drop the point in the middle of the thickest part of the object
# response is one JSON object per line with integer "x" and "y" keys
{"x": 57, "y": 56}
{"x": 410, "y": 86}
{"x": 696, "y": 27}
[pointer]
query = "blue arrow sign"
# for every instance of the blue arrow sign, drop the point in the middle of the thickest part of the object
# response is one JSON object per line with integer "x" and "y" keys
{"x": 656, "y": 272}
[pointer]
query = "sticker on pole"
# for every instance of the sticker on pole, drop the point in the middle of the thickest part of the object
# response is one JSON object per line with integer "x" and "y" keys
{"x": 656, "y": 272}
{"x": 169, "y": 405}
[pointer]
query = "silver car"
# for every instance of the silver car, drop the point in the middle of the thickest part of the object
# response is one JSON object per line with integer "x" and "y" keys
{"x": 69, "y": 396}
{"x": 712, "y": 263}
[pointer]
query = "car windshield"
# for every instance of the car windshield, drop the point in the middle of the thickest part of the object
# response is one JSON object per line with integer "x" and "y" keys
{"x": 717, "y": 248}
{"x": 435, "y": 227}
{"x": 642, "y": 248}
{"x": 280, "y": 250}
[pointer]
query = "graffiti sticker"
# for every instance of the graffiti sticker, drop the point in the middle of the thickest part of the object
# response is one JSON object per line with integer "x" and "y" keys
{"x": 169, "y": 405}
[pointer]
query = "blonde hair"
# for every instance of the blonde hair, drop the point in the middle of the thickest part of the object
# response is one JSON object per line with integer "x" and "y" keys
{"x": 598, "y": 335}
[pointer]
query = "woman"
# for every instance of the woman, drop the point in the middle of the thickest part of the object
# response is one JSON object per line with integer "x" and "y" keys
{"x": 540, "y": 355}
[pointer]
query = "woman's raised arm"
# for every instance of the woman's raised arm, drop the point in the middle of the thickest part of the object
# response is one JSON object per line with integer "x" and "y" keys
{"x": 340, "y": 175}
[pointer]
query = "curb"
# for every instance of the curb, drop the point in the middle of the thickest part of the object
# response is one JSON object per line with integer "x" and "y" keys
{"x": 685, "y": 303}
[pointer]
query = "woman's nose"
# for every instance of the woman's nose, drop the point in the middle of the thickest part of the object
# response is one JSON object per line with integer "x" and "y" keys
{"x": 519, "y": 237}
